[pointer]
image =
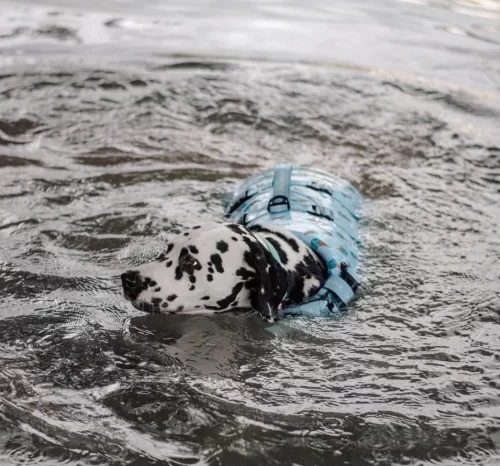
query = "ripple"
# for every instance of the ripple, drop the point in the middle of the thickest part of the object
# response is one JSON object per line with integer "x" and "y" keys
{"x": 57, "y": 32}
{"x": 135, "y": 177}
{"x": 195, "y": 65}
{"x": 17, "y": 127}
{"x": 8, "y": 161}
{"x": 109, "y": 162}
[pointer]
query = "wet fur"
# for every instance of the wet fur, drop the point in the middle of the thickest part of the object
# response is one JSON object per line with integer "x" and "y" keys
{"x": 225, "y": 267}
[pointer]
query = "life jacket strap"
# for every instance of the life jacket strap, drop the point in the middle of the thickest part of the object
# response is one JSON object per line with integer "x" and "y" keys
{"x": 272, "y": 250}
{"x": 280, "y": 203}
{"x": 340, "y": 288}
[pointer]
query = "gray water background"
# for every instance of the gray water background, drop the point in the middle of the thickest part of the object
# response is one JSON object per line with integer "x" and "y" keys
{"x": 123, "y": 121}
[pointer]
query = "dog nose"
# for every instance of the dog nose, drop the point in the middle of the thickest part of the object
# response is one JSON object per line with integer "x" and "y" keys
{"x": 131, "y": 283}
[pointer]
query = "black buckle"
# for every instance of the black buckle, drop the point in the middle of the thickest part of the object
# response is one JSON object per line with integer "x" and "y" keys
{"x": 277, "y": 201}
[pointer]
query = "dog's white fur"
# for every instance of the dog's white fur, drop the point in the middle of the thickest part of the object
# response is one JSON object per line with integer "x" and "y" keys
{"x": 222, "y": 262}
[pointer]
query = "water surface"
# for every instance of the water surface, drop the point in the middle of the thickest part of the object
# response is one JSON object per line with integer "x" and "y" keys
{"x": 122, "y": 123}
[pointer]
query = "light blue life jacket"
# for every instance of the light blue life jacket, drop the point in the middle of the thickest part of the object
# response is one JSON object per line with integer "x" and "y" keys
{"x": 320, "y": 209}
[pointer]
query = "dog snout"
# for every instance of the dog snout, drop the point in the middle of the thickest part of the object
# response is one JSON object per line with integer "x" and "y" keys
{"x": 132, "y": 284}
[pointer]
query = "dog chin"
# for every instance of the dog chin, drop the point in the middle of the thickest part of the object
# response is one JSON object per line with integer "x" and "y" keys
{"x": 146, "y": 307}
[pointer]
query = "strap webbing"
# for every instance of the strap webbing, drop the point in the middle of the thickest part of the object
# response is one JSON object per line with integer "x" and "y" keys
{"x": 272, "y": 250}
{"x": 281, "y": 189}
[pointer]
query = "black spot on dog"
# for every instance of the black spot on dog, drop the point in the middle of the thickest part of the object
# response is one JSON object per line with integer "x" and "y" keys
{"x": 308, "y": 268}
{"x": 187, "y": 233}
{"x": 161, "y": 257}
{"x": 211, "y": 270}
{"x": 234, "y": 238}
{"x": 217, "y": 261}
{"x": 210, "y": 277}
{"x": 238, "y": 229}
{"x": 296, "y": 294}
{"x": 158, "y": 289}
{"x": 222, "y": 246}
{"x": 251, "y": 284}
{"x": 209, "y": 264}
{"x": 314, "y": 266}
{"x": 282, "y": 254}
{"x": 133, "y": 284}
{"x": 196, "y": 227}
{"x": 205, "y": 298}
{"x": 156, "y": 303}
{"x": 254, "y": 245}
{"x": 178, "y": 273}
{"x": 170, "y": 247}
{"x": 152, "y": 283}
{"x": 225, "y": 302}
{"x": 171, "y": 297}
{"x": 192, "y": 287}
{"x": 164, "y": 305}
{"x": 179, "y": 309}
{"x": 193, "y": 249}
{"x": 169, "y": 263}
{"x": 290, "y": 241}
{"x": 192, "y": 279}
{"x": 245, "y": 274}
{"x": 268, "y": 288}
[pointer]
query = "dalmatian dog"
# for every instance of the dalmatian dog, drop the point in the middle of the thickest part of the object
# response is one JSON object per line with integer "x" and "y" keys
{"x": 222, "y": 267}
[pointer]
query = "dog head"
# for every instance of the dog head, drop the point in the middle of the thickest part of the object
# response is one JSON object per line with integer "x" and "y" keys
{"x": 214, "y": 268}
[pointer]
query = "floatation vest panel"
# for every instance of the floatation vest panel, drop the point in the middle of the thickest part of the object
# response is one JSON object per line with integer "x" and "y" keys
{"x": 321, "y": 210}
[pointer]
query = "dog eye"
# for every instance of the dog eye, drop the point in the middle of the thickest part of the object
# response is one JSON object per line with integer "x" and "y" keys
{"x": 190, "y": 261}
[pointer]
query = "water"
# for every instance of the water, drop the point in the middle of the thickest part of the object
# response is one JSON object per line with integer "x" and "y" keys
{"x": 124, "y": 122}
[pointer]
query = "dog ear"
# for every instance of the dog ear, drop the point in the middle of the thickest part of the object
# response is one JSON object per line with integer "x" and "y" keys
{"x": 271, "y": 283}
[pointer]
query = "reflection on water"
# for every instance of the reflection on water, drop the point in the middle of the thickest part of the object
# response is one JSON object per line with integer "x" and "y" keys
{"x": 124, "y": 122}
